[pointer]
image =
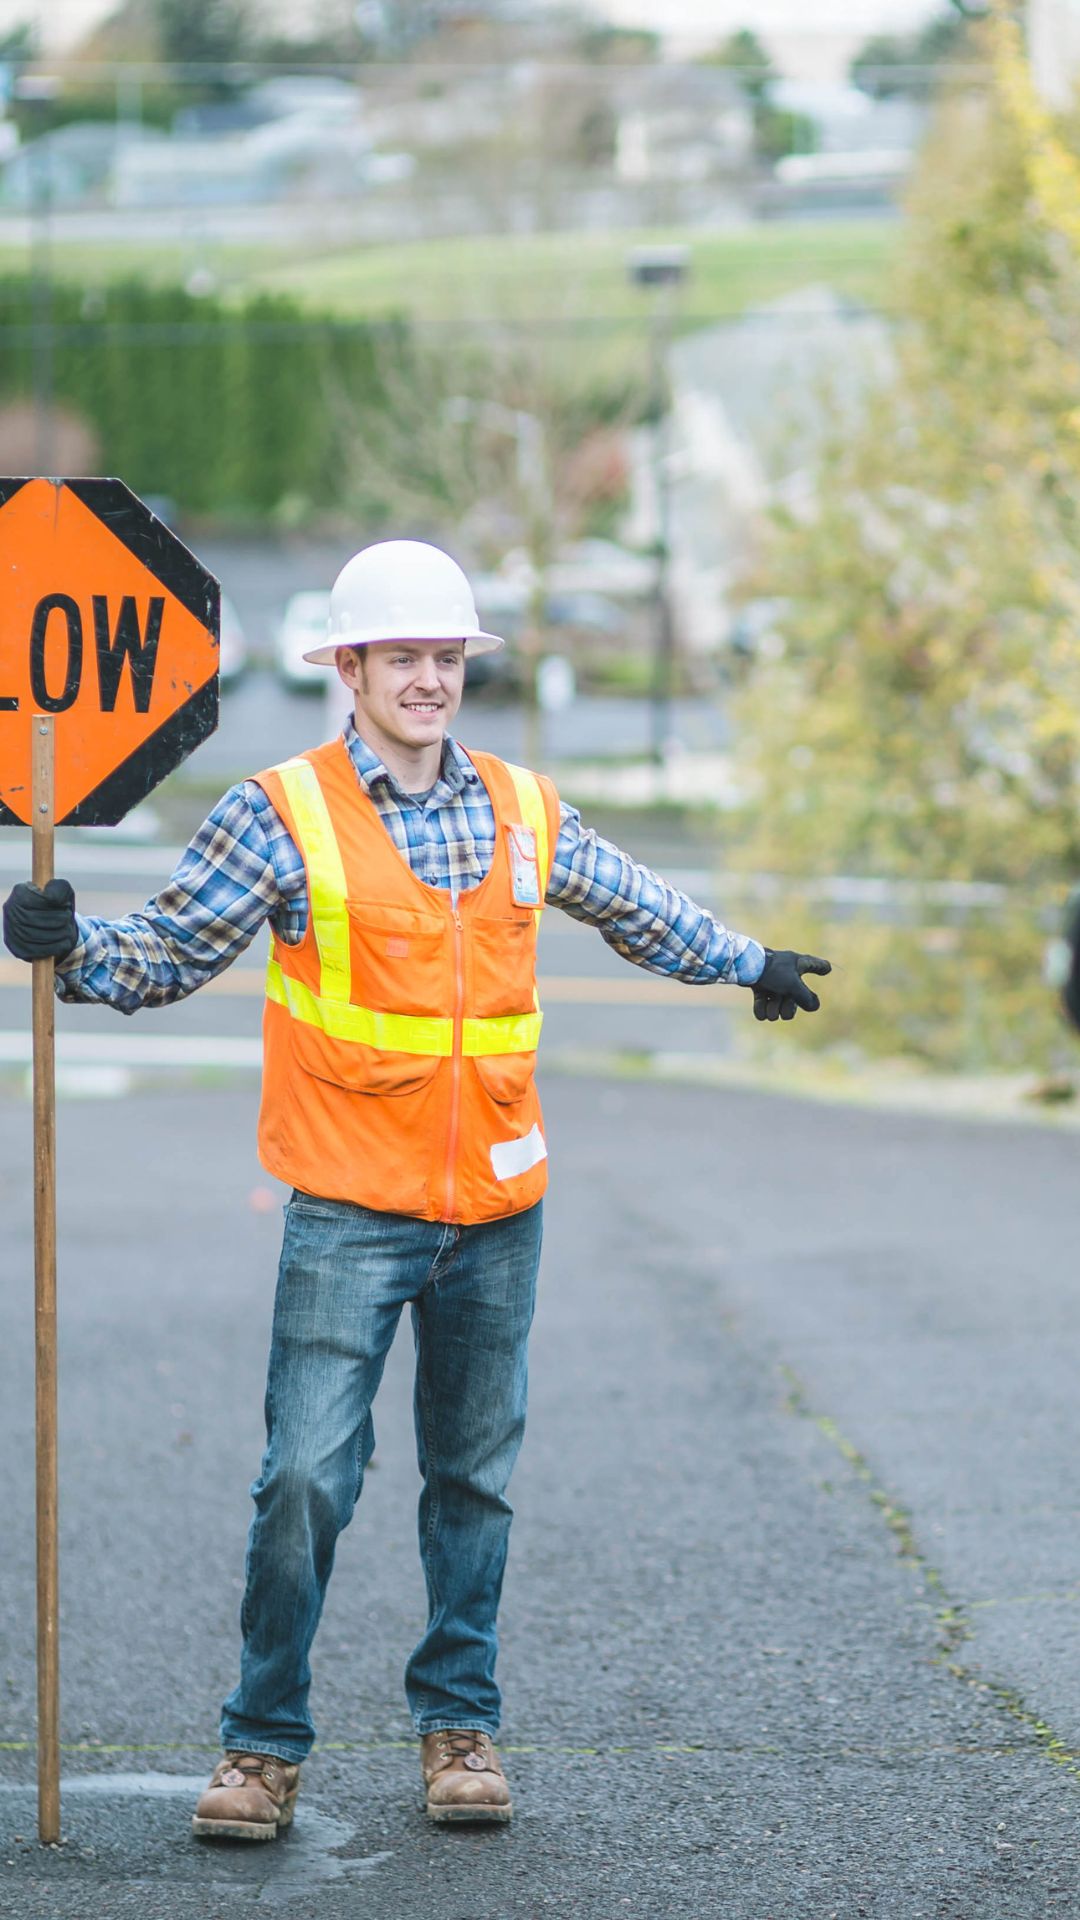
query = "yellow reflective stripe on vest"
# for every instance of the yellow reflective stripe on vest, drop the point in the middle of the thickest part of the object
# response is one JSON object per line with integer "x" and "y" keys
{"x": 501, "y": 1033}
{"x": 394, "y": 1032}
{"x": 402, "y": 1032}
{"x": 326, "y": 875}
{"x": 533, "y": 814}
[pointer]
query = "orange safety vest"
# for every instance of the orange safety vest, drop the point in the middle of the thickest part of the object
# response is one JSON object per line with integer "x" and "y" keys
{"x": 400, "y": 1034}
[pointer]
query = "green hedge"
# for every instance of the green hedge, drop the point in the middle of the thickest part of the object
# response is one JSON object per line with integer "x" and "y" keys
{"x": 231, "y": 409}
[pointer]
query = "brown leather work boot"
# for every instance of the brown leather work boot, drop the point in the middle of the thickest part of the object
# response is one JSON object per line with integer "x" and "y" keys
{"x": 250, "y": 1797}
{"x": 463, "y": 1776}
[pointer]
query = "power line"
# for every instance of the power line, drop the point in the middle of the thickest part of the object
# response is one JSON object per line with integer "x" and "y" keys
{"x": 521, "y": 70}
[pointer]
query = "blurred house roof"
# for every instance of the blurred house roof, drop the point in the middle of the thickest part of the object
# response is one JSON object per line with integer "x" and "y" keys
{"x": 781, "y": 374}
{"x": 752, "y": 403}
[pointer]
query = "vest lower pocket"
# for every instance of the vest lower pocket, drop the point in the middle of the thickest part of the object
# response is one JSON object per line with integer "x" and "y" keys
{"x": 359, "y": 1068}
{"x": 507, "y": 1077}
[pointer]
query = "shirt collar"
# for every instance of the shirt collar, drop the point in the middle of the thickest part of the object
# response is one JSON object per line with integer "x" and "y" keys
{"x": 457, "y": 771}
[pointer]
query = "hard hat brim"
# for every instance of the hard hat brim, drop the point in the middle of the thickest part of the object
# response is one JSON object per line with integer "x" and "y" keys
{"x": 474, "y": 643}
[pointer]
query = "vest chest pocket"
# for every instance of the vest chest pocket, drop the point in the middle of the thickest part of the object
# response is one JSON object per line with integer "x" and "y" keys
{"x": 399, "y": 959}
{"x": 502, "y": 955}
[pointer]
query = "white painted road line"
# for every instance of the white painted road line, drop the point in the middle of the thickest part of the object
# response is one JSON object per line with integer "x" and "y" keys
{"x": 138, "y": 1050}
{"x": 90, "y": 857}
{"x": 635, "y": 989}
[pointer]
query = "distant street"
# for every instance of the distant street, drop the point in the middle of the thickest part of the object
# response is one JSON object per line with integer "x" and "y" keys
{"x": 261, "y": 718}
{"x": 789, "y": 1628}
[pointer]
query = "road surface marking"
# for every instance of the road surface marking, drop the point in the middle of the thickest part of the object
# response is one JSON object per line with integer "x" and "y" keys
{"x": 636, "y": 990}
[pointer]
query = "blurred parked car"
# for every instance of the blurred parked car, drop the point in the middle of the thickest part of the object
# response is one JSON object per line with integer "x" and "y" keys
{"x": 501, "y": 605}
{"x": 232, "y": 647}
{"x": 584, "y": 613}
{"x": 302, "y": 627}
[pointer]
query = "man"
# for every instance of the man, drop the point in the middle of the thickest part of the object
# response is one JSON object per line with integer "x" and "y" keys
{"x": 403, "y": 879}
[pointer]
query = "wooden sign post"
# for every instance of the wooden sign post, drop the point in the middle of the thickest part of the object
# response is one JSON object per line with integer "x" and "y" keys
{"x": 43, "y": 789}
{"x": 108, "y": 680}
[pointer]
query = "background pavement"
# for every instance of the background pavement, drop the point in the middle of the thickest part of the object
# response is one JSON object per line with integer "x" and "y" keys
{"x": 789, "y": 1623}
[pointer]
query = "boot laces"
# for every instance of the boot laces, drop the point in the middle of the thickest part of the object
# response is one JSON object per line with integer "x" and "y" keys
{"x": 456, "y": 1742}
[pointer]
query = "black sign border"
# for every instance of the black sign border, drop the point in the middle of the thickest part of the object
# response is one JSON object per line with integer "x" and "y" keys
{"x": 158, "y": 549}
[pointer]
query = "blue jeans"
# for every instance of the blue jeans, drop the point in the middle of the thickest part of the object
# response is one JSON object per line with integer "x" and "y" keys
{"x": 345, "y": 1274}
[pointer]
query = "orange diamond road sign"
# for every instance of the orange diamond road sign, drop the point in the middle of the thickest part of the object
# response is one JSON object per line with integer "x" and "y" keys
{"x": 108, "y": 622}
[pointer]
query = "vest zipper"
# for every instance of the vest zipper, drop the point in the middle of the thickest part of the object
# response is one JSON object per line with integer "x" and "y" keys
{"x": 455, "y": 1064}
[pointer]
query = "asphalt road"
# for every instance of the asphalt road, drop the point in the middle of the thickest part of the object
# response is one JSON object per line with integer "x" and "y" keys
{"x": 790, "y": 1620}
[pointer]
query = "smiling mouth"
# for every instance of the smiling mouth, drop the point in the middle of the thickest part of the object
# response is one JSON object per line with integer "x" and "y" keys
{"x": 422, "y": 706}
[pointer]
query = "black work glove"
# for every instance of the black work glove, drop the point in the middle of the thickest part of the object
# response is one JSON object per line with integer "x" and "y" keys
{"x": 39, "y": 921}
{"x": 779, "y": 988}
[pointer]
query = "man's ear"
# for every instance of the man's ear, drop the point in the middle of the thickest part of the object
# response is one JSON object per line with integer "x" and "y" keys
{"x": 352, "y": 667}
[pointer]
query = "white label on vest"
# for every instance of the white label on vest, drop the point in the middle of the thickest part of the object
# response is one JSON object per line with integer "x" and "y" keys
{"x": 525, "y": 877}
{"x": 511, "y": 1157}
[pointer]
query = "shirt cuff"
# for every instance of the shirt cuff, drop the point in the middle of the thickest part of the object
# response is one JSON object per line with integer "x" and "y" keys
{"x": 750, "y": 964}
{"x": 75, "y": 963}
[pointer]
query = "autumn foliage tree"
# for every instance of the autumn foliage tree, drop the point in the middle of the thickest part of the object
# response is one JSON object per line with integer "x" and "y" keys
{"x": 923, "y": 720}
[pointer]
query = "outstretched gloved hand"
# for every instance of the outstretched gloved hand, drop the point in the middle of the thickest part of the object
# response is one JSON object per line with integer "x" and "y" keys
{"x": 779, "y": 988}
{"x": 39, "y": 921}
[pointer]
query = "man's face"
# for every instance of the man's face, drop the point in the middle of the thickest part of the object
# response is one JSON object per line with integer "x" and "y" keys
{"x": 409, "y": 690}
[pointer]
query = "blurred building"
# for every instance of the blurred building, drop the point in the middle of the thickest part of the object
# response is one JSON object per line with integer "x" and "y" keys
{"x": 677, "y": 123}
{"x": 293, "y": 137}
{"x": 1053, "y": 37}
{"x": 752, "y": 404}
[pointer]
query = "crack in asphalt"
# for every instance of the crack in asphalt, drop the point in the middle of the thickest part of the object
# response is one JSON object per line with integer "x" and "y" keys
{"x": 952, "y": 1623}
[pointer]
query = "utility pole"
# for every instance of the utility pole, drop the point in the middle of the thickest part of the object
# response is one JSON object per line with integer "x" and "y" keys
{"x": 41, "y": 89}
{"x": 536, "y": 504}
{"x": 662, "y": 270}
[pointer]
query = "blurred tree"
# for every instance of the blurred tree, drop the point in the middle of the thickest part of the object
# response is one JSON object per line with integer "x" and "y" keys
{"x": 596, "y": 134}
{"x": 205, "y": 32}
{"x": 395, "y": 28}
{"x": 495, "y": 439}
{"x": 617, "y": 45}
{"x": 21, "y": 42}
{"x": 889, "y": 64}
{"x": 777, "y": 130}
{"x": 744, "y": 52}
{"x": 131, "y": 32}
{"x": 923, "y": 721}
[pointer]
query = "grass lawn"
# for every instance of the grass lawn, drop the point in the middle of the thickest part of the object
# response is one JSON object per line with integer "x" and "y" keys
{"x": 580, "y": 277}
{"x": 575, "y": 278}
{"x": 562, "y": 300}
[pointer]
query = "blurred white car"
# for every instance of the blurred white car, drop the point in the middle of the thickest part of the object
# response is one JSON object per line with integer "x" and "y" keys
{"x": 302, "y": 627}
{"x": 232, "y": 645}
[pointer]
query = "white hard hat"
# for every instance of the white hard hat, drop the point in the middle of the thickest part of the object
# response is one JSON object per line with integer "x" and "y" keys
{"x": 401, "y": 590}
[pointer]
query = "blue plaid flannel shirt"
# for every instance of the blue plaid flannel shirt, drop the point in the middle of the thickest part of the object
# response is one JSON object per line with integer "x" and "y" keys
{"x": 243, "y": 867}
